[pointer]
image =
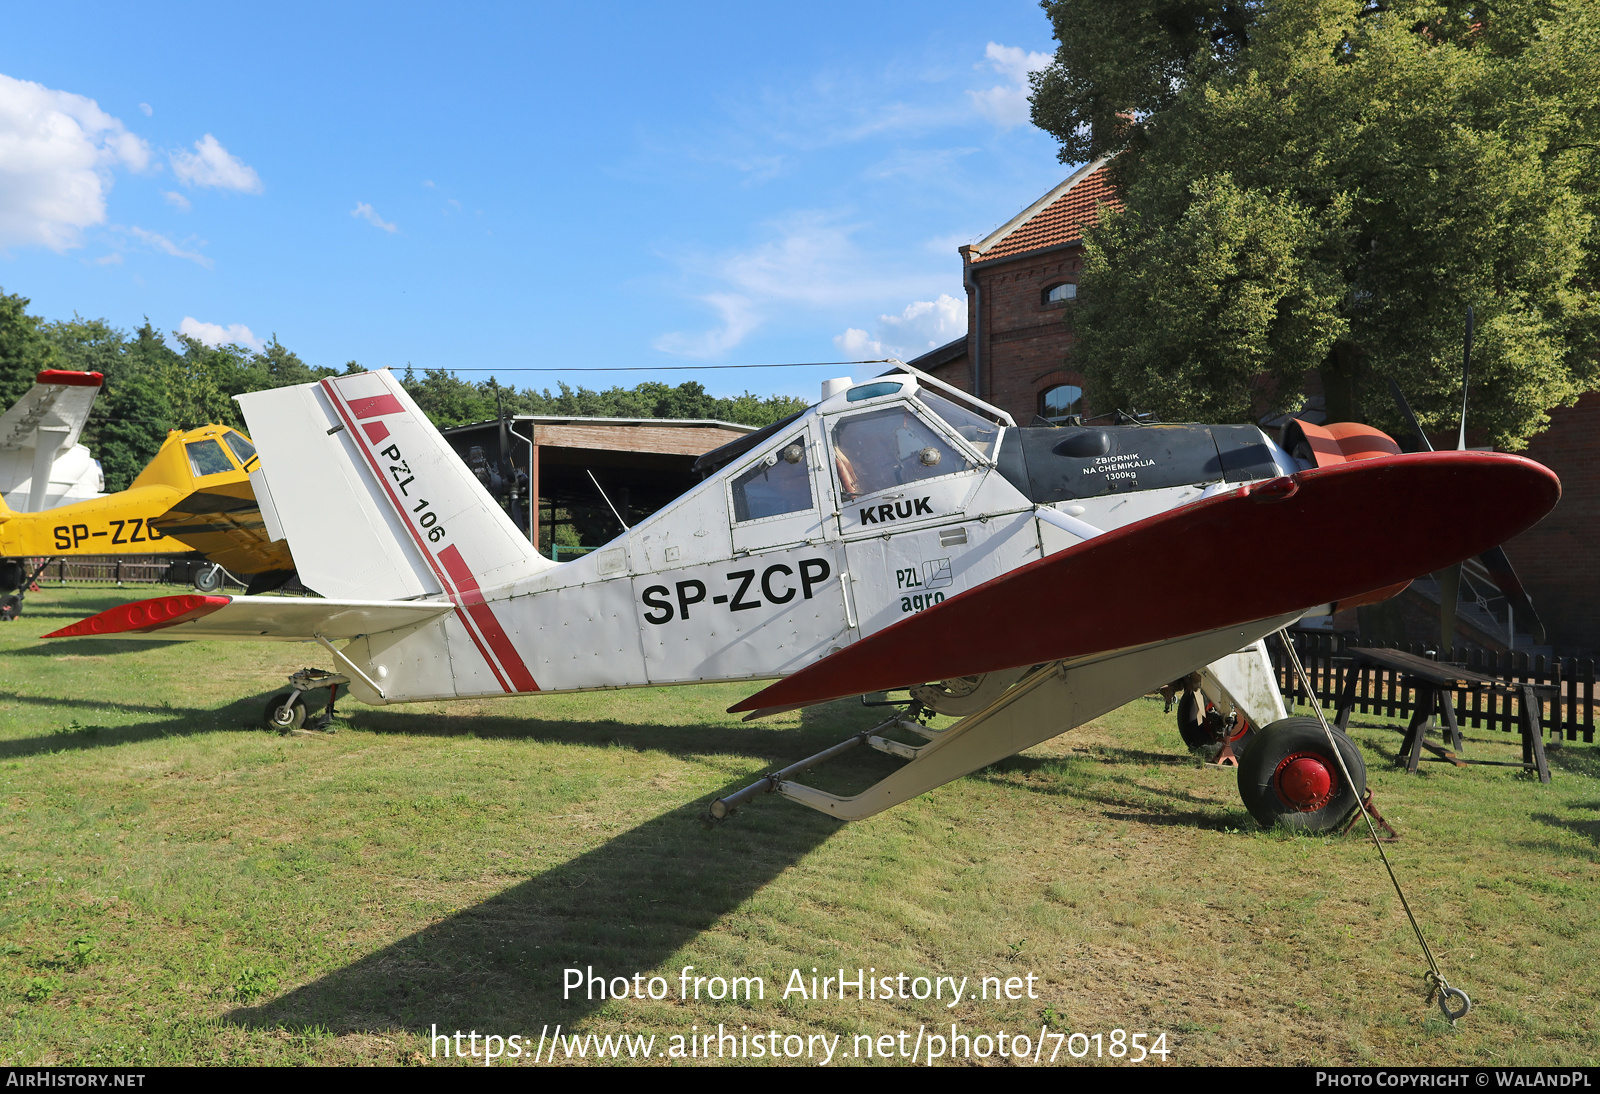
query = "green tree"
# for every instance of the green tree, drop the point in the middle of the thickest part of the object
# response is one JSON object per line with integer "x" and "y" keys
{"x": 24, "y": 349}
{"x": 1329, "y": 184}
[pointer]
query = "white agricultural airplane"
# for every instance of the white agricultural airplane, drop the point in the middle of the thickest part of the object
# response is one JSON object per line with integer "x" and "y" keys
{"x": 896, "y": 533}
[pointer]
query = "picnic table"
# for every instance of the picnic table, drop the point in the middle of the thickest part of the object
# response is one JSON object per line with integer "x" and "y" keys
{"x": 1437, "y": 683}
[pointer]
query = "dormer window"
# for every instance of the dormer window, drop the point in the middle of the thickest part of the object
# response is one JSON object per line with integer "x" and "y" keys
{"x": 1061, "y": 293}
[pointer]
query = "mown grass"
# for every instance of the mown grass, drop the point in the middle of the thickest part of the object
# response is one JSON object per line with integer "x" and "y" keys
{"x": 179, "y": 885}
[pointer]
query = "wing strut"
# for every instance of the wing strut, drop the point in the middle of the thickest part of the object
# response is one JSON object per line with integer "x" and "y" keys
{"x": 1051, "y": 700}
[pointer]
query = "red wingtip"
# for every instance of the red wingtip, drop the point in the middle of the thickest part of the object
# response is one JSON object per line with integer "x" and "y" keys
{"x": 143, "y": 616}
{"x": 69, "y": 379}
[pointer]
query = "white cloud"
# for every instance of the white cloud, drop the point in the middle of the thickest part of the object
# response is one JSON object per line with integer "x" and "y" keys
{"x": 1006, "y": 105}
{"x": 810, "y": 264}
{"x": 370, "y": 215}
{"x": 146, "y": 108}
{"x": 738, "y": 317}
{"x": 162, "y": 243}
{"x": 175, "y": 198}
{"x": 923, "y": 325}
{"x": 210, "y": 164}
{"x": 213, "y": 334}
{"x": 57, "y": 150}
{"x": 112, "y": 259}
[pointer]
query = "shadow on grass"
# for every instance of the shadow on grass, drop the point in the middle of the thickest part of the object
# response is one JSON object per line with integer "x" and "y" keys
{"x": 776, "y": 745}
{"x": 820, "y": 727}
{"x": 1589, "y": 829}
{"x": 181, "y": 722}
{"x": 1236, "y": 820}
{"x": 1115, "y": 790}
{"x": 1575, "y": 759}
{"x": 627, "y": 906}
{"x": 41, "y": 605}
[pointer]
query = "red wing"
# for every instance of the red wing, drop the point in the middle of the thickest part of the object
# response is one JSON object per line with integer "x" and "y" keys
{"x": 1266, "y": 549}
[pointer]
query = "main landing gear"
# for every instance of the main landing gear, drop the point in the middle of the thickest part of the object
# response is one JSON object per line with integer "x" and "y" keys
{"x": 15, "y": 578}
{"x": 287, "y": 712}
{"x": 1289, "y": 776}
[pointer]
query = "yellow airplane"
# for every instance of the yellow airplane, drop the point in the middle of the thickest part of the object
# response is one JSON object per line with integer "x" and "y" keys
{"x": 195, "y": 495}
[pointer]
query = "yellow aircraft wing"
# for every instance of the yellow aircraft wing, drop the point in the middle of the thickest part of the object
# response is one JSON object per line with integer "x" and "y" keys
{"x": 223, "y": 521}
{"x": 194, "y": 495}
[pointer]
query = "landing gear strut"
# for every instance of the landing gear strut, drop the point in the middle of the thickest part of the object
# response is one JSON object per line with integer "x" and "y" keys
{"x": 1203, "y": 726}
{"x": 287, "y": 712}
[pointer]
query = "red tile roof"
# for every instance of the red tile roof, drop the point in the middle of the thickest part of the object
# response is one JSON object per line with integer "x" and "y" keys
{"x": 1061, "y": 221}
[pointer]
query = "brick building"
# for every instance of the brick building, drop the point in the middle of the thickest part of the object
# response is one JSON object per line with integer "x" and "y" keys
{"x": 1558, "y": 559}
{"x": 1019, "y": 279}
{"x": 1016, "y": 355}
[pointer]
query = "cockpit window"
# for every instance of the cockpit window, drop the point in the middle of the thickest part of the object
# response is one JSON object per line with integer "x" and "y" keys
{"x": 979, "y": 432}
{"x": 891, "y": 447}
{"x": 243, "y": 449}
{"x": 779, "y": 483}
{"x": 207, "y": 458}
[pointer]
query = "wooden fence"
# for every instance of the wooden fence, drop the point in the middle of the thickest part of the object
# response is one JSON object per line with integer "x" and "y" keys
{"x": 123, "y": 570}
{"x": 1570, "y": 712}
{"x": 114, "y": 570}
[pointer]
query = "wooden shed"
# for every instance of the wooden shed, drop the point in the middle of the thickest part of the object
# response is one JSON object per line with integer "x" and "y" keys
{"x": 598, "y": 472}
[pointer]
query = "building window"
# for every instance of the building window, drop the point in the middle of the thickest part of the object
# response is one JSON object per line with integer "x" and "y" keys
{"x": 1061, "y": 293}
{"x": 1060, "y": 402}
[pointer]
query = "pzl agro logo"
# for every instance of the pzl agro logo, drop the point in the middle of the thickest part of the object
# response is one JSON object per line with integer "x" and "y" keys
{"x": 900, "y": 510}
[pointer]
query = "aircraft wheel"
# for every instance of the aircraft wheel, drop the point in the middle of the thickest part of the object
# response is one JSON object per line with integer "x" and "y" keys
{"x": 1200, "y": 729}
{"x": 208, "y": 579}
{"x": 287, "y": 712}
{"x": 1289, "y": 776}
{"x": 1192, "y": 721}
{"x": 10, "y": 607}
{"x": 12, "y": 575}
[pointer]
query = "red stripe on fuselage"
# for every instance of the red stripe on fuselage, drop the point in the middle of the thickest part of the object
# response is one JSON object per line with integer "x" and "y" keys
{"x": 422, "y": 546}
{"x": 488, "y": 622}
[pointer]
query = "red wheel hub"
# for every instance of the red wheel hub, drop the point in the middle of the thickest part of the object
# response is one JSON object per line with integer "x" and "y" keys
{"x": 1304, "y": 781}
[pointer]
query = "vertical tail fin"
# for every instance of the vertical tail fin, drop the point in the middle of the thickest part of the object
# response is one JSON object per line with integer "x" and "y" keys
{"x": 372, "y": 499}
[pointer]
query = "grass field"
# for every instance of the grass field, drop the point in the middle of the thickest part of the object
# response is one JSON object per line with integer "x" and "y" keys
{"x": 180, "y": 886}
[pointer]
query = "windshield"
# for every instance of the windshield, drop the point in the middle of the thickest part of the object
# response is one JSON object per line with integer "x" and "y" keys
{"x": 890, "y": 447}
{"x": 978, "y": 432}
{"x": 207, "y": 458}
{"x": 242, "y": 448}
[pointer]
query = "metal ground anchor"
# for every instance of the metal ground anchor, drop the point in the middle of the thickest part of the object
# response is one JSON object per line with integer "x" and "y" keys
{"x": 1445, "y": 994}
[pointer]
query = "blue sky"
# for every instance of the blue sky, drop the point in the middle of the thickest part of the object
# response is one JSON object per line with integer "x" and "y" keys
{"x": 492, "y": 187}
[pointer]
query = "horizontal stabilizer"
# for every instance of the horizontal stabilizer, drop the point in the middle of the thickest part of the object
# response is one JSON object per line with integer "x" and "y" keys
{"x": 292, "y": 619}
{"x": 1267, "y": 549}
{"x": 41, "y": 463}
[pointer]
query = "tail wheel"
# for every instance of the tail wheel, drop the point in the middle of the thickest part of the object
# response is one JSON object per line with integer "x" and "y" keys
{"x": 286, "y": 712}
{"x": 1201, "y": 728}
{"x": 208, "y": 579}
{"x": 1289, "y": 776}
